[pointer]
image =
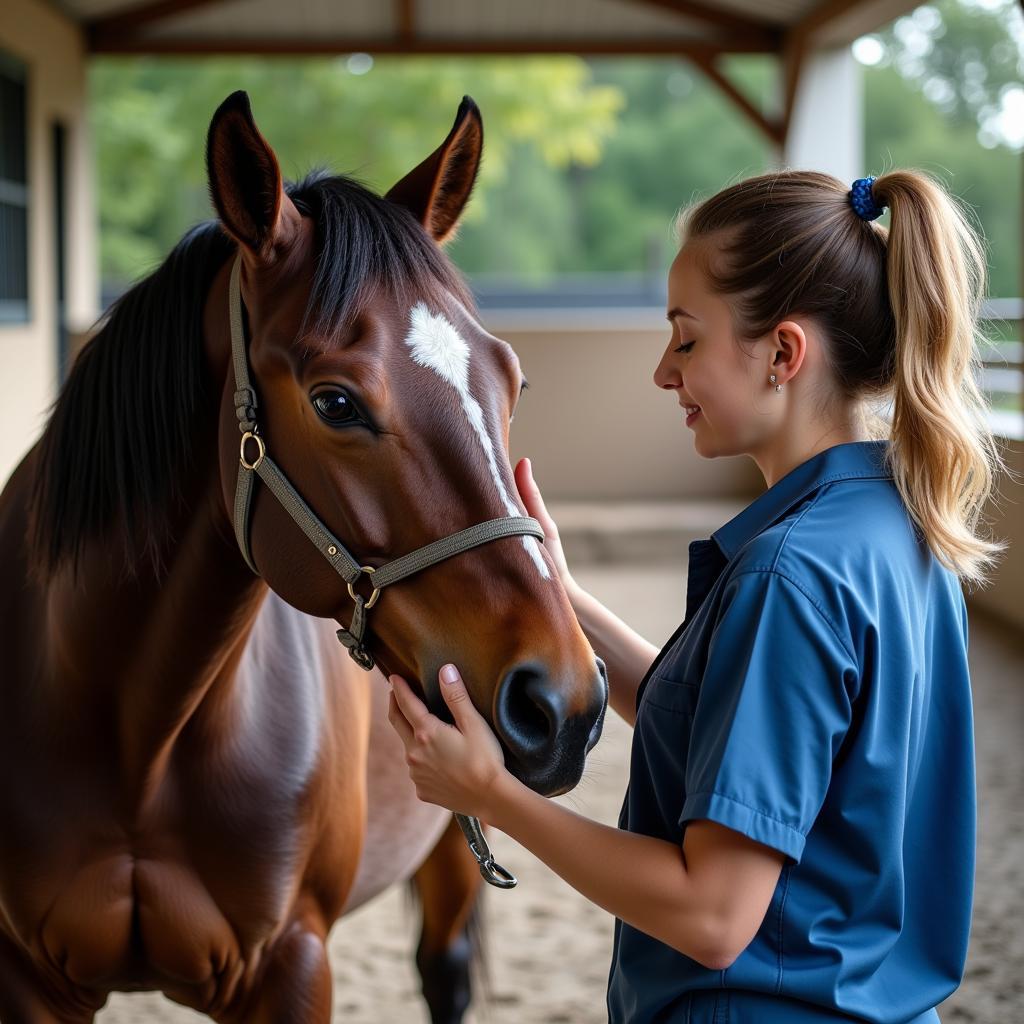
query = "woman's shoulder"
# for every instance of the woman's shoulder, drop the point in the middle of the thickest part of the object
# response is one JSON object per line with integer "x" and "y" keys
{"x": 847, "y": 521}
{"x": 851, "y": 547}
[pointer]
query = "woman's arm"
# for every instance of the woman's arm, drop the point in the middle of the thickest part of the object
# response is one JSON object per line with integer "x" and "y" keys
{"x": 706, "y": 899}
{"x": 626, "y": 654}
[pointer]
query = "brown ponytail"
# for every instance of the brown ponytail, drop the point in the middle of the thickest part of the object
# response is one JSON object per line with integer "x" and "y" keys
{"x": 899, "y": 308}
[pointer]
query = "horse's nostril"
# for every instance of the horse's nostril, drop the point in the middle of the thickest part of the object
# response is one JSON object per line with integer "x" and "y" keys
{"x": 529, "y": 713}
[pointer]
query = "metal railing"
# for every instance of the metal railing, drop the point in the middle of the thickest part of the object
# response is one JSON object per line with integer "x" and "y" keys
{"x": 1002, "y": 365}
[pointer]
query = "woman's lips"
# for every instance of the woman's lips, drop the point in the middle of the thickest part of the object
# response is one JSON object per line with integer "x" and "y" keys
{"x": 692, "y": 412}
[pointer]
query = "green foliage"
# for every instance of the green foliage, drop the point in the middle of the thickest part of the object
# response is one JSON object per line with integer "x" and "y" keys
{"x": 943, "y": 73}
{"x": 910, "y": 132}
{"x": 586, "y": 164}
{"x": 962, "y": 55}
{"x": 150, "y": 119}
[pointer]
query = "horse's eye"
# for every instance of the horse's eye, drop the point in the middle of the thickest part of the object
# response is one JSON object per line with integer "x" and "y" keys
{"x": 335, "y": 407}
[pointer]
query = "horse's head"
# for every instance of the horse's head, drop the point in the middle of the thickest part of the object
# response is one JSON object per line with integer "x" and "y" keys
{"x": 387, "y": 406}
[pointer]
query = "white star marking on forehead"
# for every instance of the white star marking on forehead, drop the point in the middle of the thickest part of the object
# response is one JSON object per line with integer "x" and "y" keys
{"x": 435, "y": 342}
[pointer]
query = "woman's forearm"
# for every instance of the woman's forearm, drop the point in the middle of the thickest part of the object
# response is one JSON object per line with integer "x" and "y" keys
{"x": 626, "y": 654}
{"x": 640, "y": 879}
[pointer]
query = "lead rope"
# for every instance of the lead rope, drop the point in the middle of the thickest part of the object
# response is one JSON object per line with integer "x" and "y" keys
{"x": 335, "y": 552}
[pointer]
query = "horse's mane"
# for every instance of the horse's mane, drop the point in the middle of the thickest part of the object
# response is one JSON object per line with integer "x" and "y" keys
{"x": 119, "y": 444}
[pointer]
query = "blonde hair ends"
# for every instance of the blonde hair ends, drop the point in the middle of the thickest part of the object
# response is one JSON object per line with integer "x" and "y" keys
{"x": 944, "y": 456}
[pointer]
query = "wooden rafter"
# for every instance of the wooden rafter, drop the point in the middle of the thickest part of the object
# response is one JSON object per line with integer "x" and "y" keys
{"x": 717, "y": 16}
{"x": 773, "y": 129}
{"x": 405, "y": 20}
{"x": 120, "y": 33}
{"x": 125, "y": 23}
{"x": 277, "y": 46}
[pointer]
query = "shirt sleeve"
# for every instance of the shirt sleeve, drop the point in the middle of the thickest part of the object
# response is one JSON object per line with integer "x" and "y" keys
{"x": 775, "y": 704}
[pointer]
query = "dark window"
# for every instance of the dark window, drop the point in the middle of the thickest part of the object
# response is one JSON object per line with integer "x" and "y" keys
{"x": 13, "y": 192}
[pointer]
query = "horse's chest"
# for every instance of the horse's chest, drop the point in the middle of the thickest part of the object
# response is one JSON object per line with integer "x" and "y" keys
{"x": 175, "y": 902}
{"x": 149, "y": 924}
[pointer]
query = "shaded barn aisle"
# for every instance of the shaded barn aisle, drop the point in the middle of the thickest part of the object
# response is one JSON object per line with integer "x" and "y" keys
{"x": 549, "y": 948}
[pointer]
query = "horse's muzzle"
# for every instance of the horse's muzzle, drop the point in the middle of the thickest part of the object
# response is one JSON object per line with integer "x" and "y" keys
{"x": 545, "y": 744}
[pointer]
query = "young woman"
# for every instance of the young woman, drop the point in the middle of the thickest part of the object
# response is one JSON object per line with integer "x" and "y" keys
{"x": 797, "y": 839}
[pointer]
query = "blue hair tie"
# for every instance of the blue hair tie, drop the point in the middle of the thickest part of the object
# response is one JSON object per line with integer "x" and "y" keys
{"x": 862, "y": 200}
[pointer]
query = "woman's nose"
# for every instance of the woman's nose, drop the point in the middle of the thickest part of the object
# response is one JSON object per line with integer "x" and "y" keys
{"x": 666, "y": 377}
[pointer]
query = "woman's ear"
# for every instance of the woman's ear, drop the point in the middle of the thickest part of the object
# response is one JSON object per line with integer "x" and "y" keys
{"x": 436, "y": 192}
{"x": 245, "y": 184}
{"x": 789, "y": 348}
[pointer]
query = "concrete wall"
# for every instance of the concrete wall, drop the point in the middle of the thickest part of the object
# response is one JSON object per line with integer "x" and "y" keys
{"x": 53, "y": 48}
{"x": 594, "y": 424}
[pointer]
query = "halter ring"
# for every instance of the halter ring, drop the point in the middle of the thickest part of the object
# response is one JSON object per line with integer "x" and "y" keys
{"x": 369, "y": 569}
{"x": 260, "y": 446}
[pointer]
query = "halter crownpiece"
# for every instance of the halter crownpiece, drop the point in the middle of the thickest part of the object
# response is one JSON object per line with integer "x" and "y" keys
{"x": 863, "y": 202}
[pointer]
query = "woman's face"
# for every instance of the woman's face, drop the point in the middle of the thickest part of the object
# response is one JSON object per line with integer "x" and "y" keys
{"x": 721, "y": 384}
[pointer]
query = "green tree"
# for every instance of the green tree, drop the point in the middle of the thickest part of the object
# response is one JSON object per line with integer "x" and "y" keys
{"x": 375, "y": 120}
{"x": 940, "y": 77}
{"x": 586, "y": 163}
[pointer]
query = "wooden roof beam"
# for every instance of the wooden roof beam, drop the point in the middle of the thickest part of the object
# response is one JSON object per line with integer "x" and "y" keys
{"x": 405, "y": 20}
{"x": 719, "y": 17}
{"x": 130, "y": 43}
{"x": 124, "y": 23}
{"x": 773, "y": 129}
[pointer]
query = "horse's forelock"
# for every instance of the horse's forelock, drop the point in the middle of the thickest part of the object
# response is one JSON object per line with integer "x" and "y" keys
{"x": 367, "y": 249}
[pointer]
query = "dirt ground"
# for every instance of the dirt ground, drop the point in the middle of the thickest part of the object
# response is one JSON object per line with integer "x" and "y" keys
{"x": 549, "y": 948}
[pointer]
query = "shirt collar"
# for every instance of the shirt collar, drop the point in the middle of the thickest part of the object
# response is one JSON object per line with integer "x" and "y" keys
{"x": 856, "y": 460}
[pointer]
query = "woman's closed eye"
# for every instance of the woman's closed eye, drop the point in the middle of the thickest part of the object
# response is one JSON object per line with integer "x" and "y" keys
{"x": 685, "y": 346}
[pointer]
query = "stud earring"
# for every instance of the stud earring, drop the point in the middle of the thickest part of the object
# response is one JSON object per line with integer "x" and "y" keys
{"x": 772, "y": 379}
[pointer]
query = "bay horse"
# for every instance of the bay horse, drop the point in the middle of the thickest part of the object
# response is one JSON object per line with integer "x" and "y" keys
{"x": 198, "y": 779}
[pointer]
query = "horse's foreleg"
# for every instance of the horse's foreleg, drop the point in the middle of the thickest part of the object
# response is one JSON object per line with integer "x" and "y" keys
{"x": 25, "y": 997}
{"x": 295, "y": 987}
{"x": 448, "y": 883}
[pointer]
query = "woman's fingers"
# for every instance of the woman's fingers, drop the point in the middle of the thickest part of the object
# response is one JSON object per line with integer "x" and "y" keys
{"x": 398, "y": 721}
{"x": 453, "y": 689}
{"x": 412, "y": 709}
{"x": 534, "y": 502}
{"x": 532, "y": 498}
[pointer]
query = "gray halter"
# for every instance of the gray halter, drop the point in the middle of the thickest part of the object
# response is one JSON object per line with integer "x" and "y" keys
{"x": 335, "y": 552}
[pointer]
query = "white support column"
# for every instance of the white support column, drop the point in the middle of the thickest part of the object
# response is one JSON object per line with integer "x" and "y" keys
{"x": 826, "y": 132}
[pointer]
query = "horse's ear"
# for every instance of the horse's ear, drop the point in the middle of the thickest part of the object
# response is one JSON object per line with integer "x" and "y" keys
{"x": 245, "y": 182}
{"x": 438, "y": 189}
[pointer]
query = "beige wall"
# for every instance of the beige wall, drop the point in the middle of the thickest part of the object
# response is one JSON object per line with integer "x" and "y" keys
{"x": 53, "y": 49}
{"x": 1004, "y": 597}
{"x": 596, "y": 428}
{"x": 593, "y": 423}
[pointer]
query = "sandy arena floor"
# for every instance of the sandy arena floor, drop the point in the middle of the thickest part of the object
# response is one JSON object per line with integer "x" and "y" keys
{"x": 549, "y": 948}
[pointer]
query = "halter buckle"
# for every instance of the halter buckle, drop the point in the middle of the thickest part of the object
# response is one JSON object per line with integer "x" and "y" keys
{"x": 369, "y": 570}
{"x": 260, "y": 446}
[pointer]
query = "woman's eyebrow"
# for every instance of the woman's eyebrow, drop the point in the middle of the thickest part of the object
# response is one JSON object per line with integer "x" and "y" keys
{"x": 677, "y": 311}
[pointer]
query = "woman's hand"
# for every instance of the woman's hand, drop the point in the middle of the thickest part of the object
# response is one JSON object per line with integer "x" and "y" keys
{"x": 457, "y": 766}
{"x": 534, "y": 502}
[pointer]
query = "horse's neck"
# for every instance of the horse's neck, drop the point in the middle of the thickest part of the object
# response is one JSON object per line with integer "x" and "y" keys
{"x": 151, "y": 648}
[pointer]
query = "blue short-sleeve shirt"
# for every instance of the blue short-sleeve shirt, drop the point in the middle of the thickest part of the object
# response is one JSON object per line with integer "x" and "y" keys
{"x": 816, "y": 698}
